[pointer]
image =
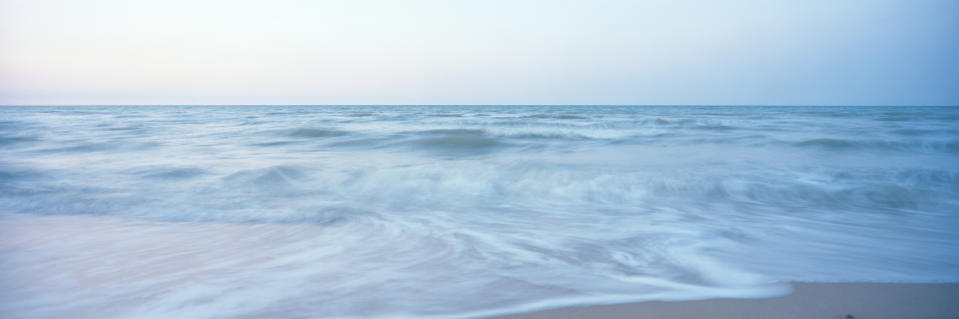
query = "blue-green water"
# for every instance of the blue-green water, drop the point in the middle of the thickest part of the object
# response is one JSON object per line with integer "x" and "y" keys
{"x": 461, "y": 211}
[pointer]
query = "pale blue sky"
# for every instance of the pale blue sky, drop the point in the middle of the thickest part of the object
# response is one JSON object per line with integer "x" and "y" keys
{"x": 868, "y": 52}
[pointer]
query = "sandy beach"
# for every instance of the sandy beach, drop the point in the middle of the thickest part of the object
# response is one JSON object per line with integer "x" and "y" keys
{"x": 808, "y": 300}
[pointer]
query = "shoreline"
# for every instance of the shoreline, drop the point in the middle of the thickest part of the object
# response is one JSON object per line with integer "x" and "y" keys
{"x": 808, "y": 300}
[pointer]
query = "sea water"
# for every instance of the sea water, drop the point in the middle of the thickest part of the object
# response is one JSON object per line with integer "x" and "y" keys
{"x": 462, "y": 211}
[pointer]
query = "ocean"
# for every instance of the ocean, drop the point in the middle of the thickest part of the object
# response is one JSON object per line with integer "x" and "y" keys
{"x": 462, "y": 211}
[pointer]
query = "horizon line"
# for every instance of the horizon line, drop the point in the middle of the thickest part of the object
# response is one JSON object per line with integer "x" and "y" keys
{"x": 639, "y": 105}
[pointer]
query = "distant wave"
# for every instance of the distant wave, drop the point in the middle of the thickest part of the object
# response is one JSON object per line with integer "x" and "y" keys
{"x": 950, "y": 146}
{"x": 313, "y": 132}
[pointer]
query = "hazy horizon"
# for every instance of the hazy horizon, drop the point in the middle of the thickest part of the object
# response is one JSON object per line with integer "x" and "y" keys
{"x": 111, "y": 52}
{"x": 481, "y": 105}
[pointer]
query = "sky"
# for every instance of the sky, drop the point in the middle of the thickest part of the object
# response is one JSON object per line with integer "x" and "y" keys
{"x": 814, "y": 52}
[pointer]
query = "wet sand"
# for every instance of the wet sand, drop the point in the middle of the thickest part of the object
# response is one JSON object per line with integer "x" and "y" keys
{"x": 808, "y": 300}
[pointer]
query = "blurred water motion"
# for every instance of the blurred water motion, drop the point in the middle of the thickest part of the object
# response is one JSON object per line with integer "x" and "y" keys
{"x": 461, "y": 211}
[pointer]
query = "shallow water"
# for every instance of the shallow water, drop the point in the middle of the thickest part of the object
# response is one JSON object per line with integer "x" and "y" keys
{"x": 461, "y": 211}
